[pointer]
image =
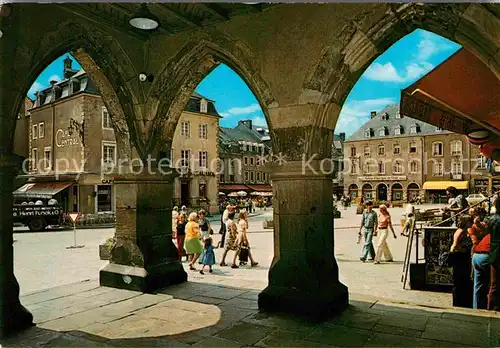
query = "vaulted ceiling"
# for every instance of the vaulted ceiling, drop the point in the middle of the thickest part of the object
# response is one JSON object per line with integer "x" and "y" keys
{"x": 174, "y": 17}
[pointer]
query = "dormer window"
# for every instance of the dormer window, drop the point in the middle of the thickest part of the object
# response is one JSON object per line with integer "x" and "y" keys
{"x": 438, "y": 129}
{"x": 398, "y": 130}
{"x": 368, "y": 133}
{"x": 382, "y": 131}
{"x": 398, "y": 116}
{"x": 414, "y": 129}
{"x": 385, "y": 116}
{"x": 203, "y": 106}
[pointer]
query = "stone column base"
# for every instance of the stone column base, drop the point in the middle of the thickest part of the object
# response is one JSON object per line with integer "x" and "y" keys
{"x": 316, "y": 305}
{"x": 140, "y": 279}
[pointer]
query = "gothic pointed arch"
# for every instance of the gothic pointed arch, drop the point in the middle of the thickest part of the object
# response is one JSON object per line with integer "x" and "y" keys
{"x": 105, "y": 62}
{"x": 197, "y": 58}
{"x": 371, "y": 33}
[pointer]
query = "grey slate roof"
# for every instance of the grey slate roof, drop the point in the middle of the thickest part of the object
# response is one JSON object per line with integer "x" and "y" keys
{"x": 376, "y": 123}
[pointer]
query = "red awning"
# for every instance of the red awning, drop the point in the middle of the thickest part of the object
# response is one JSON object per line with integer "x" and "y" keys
{"x": 261, "y": 188}
{"x": 42, "y": 189}
{"x": 233, "y": 187}
{"x": 460, "y": 95}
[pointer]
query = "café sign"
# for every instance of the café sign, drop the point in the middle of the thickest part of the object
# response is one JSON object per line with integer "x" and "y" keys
{"x": 64, "y": 139}
{"x": 383, "y": 178}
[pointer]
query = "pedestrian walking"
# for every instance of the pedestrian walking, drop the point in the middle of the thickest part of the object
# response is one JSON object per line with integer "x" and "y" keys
{"x": 494, "y": 231}
{"x": 384, "y": 224}
{"x": 208, "y": 257}
{"x": 368, "y": 227}
{"x": 232, "y": 242}
{"x": 175, "y": 216}
{"x": 462, "y": 264}
{"x": 192, "y": 242}
{"x": 181, "y": 234}
{"x": 243, "y": 243}
{"x": 205, "y": 228}
{"x": 224, "y": 218}
{"x": 480, "y": 259}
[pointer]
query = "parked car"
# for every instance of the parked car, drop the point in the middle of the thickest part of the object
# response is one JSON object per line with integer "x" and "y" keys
{"x": 475, "y": 198}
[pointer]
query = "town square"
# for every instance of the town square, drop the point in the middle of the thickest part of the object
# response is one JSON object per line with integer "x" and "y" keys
{"x": 249, "y": 174}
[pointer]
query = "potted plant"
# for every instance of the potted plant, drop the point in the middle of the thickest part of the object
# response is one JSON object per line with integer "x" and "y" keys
{"x": 105, "y": 249}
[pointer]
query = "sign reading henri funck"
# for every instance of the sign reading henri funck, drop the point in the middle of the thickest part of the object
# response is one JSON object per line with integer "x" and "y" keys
{"x": 412, "y": 107}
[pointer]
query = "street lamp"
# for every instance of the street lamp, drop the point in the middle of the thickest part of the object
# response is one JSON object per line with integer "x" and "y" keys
{"x": 144, "y": 20}
{"x": 74, "y": 125}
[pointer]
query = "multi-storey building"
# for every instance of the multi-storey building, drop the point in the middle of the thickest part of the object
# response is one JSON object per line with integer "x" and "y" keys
{"x": 72, "y": 142}
{"x": 195, "y": 153}
{"x": 393, "y": 157}
{"x": 244, "y": 152}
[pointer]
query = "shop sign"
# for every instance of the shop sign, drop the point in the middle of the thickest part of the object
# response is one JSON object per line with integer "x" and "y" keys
{"x": 63, "y": 139}
{"x": 383, "y": 178}
{"x": 481, "y": 182}
{"x": 496, "y": 183}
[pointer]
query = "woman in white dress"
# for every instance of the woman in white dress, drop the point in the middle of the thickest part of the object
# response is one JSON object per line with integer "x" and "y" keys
{"x": 243, "y": 238}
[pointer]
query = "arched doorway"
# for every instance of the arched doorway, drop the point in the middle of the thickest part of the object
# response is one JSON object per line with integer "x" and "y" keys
{"x": 413, "y": 192}
{"x": 397, "y": 192}
{"x": 353, "y": 191}
{"x": 367, "y": 192}
{"x": 382, "y": 192}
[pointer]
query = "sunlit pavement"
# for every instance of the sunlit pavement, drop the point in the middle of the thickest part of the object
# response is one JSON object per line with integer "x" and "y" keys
{"x": 42, "y": 260}
{"x": 221, "y": 309}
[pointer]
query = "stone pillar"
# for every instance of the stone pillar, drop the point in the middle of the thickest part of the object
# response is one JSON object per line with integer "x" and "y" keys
{"x": 143, "y": 257}
{"x": 304, "y": 277}
{"x": 14, "y": 317}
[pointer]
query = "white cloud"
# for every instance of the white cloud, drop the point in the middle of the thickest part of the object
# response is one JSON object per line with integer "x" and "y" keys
{"x": 259, "y": 121}
{"x": 244, "y": 110}
{"x": 35, "y": 87}
{"x": 431, "y": 44}
{"x": 356, "y": 112}
{"x": 384, "y": 73}
{"x": 54, "y": 78}
{"x": 417, "y": 70}
{"x": 388, "y": 73}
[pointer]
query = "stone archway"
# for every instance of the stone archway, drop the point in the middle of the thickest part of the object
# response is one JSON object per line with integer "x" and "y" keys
{"x": 470, "y": 25}
{"x": 367, "y": 192}
{"x": 397, "y": 193}
{"x": 413, "y": 192}
{"x": 353, "y": 191}
{"x": 20, "y": 65}
{"x": 196, "y": 59}
{"x": 382, "y": 192}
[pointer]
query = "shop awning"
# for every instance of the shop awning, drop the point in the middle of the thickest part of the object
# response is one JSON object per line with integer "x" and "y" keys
{"x": 233, "y": 187}
{"x": 261, "y": 188}
{"x": 42, "y": 189}
{"x": 461, "y": 95}
{"x": 443, "y": 185}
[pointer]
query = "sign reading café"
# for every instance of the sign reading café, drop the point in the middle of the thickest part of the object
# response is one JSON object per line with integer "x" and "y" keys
{"x": 383, "y": 178}
{"x": 63, "y": 138}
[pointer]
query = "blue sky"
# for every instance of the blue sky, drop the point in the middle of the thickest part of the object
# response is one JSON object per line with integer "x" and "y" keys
{"x": 405, "y": 62}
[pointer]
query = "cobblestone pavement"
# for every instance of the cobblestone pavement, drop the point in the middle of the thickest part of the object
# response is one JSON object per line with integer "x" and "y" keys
{"x": 203, "y": 315}
{"x": 42, "y": 261}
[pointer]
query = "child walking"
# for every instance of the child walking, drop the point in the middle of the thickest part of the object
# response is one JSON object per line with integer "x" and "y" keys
{"x": 208, "y": 255}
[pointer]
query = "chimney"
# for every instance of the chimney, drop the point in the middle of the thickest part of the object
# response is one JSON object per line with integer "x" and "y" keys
{"x": 68, "y": 68}
{"x": 247, "y": 123}
{"x": 53, "y": 82}
{"x": 342, "y": 136}
{"x": 373, "y": 114}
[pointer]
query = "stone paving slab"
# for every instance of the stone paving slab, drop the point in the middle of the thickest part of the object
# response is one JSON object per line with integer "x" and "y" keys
{"x": 228, "y": 317}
